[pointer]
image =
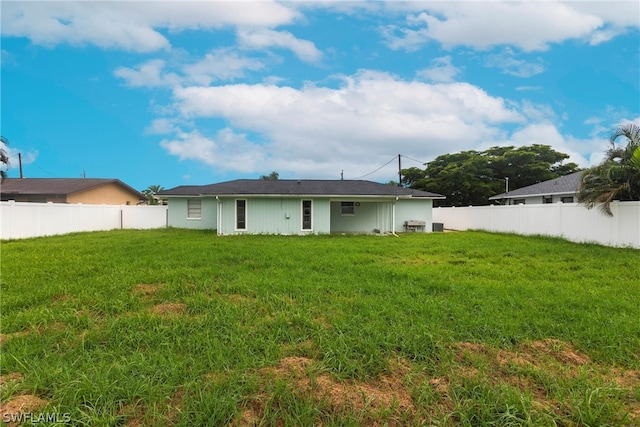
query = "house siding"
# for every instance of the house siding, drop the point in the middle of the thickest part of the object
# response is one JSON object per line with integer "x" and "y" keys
{"x": 177, "y": 216}
{"x": 367, "y": 217}
{"x": 108, "y": 194}
{"x": 278, "y": 215}
{"x": 378, "y": 215}
{"x": 414, "y": 210}
{"x": 283, "y": 215}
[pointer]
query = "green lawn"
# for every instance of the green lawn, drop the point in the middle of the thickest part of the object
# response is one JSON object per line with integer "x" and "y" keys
{"x": 176, "y": 327}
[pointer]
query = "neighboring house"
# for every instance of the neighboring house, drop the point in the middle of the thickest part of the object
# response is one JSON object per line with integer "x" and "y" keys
{"x": 70, "y": 190}
{"x": 563, "y": 189}
{"x": 299, "y": 207}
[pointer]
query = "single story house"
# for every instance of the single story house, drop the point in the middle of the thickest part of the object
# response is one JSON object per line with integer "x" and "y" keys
{"x": 563, "y": 189}
{"x": 299, "y": 207}
{"x": 97, "y": 191}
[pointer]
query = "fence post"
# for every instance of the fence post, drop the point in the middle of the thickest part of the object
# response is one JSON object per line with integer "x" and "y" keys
{"x": 492, "y": 212}
{"x": 615, "y": 209}
{"x": 559, "y": 231}
{"x": 520, "y": 218}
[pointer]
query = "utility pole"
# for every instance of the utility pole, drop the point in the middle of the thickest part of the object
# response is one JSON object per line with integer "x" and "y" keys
{"x": 20, "y": 162}
{"x": 506, "y": 184}
{"x": 341, "y": 174}
{"x": 399, "y": 171}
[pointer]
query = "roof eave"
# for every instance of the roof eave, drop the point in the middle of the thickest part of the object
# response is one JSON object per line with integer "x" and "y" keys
{"x": 509, "y": 196}
{"x": 289, "y": 195}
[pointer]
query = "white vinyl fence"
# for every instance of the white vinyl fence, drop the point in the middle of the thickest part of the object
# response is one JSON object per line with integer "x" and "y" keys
{"x": 20, "y": 219}
{"x": 571, "y": 221}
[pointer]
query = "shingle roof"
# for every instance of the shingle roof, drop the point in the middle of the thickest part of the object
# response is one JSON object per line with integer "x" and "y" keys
{"x": 302, "y": 187}
{"x": 568, "y": 184}
{"x": 57, "y": 186}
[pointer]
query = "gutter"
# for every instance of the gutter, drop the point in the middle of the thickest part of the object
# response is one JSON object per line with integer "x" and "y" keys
{"x": 219, "y": 216}
{"x": 393, "y": 218}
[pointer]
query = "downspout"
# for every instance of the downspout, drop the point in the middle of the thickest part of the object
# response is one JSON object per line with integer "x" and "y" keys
{"x": 219, "y": 219}
{"x": 393, "y": 218}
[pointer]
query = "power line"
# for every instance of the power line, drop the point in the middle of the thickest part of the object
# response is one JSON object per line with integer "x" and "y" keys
{"x": 44, "y": 170}
{"x": 415, "y": 160}
{"x": 392, "y": 159}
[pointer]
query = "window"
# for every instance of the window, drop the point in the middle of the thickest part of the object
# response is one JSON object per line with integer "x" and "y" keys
{"x": 306, "y": 214}
{"x": 547, "y": 199}
{"x": 194, "y": 209}
{"x": 241, "y": 214}
{"x": 518, "y": 201}
{"x": 567, "y": 199}
{"x": 347, "y": 208}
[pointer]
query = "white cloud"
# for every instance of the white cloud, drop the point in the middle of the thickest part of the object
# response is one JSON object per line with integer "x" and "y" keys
{"x": 530, "y": 26}
{"x": 147, "y": 74}
{"x": 162, "y": 126}
{"x": 226, "y": 151}
{"x": 264, "y": 38}
{"x": 316, "y": 131}
{"x": 132, "y": 26}
{"x": 13, "y": 153}
{"x": 221, "y": 64}
{"x": 528, "y": 88}
{"x": 509, "y": 64}
{"x": 441, "y": 70}
{"x": 585, "y": 152}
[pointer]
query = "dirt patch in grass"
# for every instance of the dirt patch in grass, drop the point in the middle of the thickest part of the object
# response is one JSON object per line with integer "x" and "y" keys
{"x": 385, "y": 393}
{"x": 529, "y": 364}
{"x": 168, "y": 309}
{"x": 147, "y": 291}
{"x": 322, "y": 322}
{"x": 563, "y": 352}
{"x": 535, "y": 354}
{"x": 389, "y": 398}
{"x": 22, "y": 404}
{"x": 135, "y": 414}
{"x": 6, "y": 337}
{"x": 13, "y": 377}
{"x": 18, "y": 404}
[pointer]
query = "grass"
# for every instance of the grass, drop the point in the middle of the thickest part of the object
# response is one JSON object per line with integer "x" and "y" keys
{"x": 177, "y": 327}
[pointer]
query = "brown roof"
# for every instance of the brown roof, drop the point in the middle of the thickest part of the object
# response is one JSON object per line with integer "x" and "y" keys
{"x": 58, "y": 186}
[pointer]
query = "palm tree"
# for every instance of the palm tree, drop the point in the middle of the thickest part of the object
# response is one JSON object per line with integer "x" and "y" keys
{"x": 151, "y": 192}
{"x": 4, "y": 157}
{"x": 617, "y": 177}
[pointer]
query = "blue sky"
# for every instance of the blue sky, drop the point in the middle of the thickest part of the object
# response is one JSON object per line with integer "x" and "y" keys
{"x": 173, "y": 93}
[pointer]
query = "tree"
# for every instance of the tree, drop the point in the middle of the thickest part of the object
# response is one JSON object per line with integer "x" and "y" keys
{"x": 617, "y": 177}
{"x": 151, "y": 192}
{"x": 4, "y": 157}
{"x": 471, "y": 177}
{"x": 273, "y": 176}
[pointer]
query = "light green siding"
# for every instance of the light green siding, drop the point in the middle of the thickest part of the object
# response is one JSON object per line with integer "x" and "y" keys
{"x": 378, "y": 215}
{"x": 277, "y": 215}
{"x": 415, "y": 209}
{"x": 178, "y": 213}
{"x": 368, "y": 216}
{"x": 283, "y": 215}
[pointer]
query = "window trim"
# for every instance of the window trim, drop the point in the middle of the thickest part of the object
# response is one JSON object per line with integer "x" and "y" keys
{"x": 344, "y": 205}
{"x": 189, "y": 209}
{"x": 518, "y": 202}
{"x": 564, "y": 199}
{"x": 302, "y": 215}
{"x": 235, "y": 223}
{"x": 547, "y": 200}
